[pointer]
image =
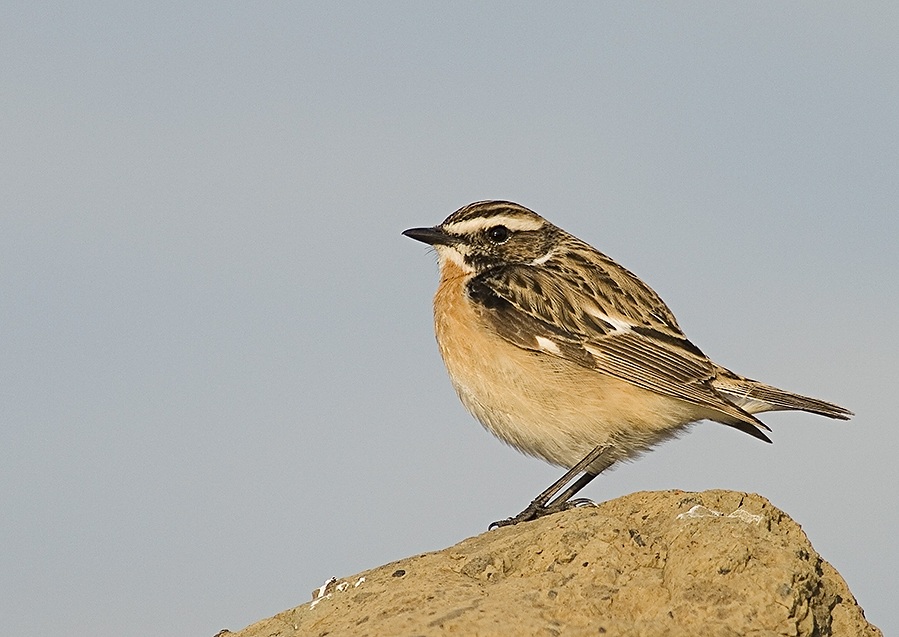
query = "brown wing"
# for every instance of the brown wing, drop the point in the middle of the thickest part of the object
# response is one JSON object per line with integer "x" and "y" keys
{"x": 598, "y": 323}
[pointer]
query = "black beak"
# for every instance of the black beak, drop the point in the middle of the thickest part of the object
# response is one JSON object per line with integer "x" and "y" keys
{"x": 432, "y": 236}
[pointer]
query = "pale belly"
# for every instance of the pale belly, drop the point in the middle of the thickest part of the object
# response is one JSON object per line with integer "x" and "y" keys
{"x": 546, "y": 406}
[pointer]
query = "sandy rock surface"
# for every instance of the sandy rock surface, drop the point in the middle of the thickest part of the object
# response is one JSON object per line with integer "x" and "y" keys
{"x": 652, "y": 563}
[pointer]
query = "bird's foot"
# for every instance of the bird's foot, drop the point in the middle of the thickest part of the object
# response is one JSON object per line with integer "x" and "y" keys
{"x": 538, "y": 509}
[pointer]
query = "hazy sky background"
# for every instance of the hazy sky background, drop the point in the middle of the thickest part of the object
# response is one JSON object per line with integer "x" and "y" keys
{"x": 220, "y": 385}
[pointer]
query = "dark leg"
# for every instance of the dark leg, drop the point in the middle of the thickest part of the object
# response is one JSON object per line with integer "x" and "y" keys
{"x": 542, "y": 506}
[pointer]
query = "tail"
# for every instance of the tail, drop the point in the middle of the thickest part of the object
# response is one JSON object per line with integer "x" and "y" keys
{"x": 755, "y": 397}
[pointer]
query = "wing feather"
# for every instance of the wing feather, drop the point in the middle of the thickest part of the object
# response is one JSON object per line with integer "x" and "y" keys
{"x": 638, "y": 341}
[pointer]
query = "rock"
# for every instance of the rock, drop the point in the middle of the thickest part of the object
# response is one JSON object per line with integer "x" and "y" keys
{"x": 652, "y": 563}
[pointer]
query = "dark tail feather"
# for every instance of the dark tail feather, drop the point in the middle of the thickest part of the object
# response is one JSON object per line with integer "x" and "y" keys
{"x": 752, "y": 430}
{"x": 755, "y": 397}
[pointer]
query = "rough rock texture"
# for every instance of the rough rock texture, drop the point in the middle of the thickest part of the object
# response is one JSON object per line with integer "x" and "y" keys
{"x": 654, "y": 564}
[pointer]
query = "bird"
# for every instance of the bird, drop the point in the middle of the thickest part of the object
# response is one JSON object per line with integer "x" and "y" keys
{"x": 567, "y": 356}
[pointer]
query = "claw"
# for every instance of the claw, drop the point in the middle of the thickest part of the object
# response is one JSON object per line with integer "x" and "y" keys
{"x": 535, "y": 510}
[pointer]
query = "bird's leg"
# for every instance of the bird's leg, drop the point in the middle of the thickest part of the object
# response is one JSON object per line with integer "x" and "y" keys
{"x": 542, "y": 506}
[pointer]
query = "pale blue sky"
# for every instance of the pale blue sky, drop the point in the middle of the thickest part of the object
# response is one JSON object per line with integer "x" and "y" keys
{"x": 220, "y": 385}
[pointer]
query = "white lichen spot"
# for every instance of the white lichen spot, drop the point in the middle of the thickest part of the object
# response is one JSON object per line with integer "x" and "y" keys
{"x": 700, "y": 511}
{"x": 324, "y": 588}
{"x": 327, "y": 590}
{"x": 323, "y": 592}
{"x": 316, "y": 601}
{"x": 745, "y": 516}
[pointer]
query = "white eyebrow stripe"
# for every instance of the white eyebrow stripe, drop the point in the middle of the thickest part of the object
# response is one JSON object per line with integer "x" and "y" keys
{"x": 548, "y": 345}
{"x": 469, "y": 226}
{"x": 620, "y": 325}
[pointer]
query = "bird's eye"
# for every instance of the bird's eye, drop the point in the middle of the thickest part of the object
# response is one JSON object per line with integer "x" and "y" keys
{"x": 498, "y": 234}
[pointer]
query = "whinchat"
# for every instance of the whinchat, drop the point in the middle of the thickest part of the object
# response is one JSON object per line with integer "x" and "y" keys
{"x": 566, "y": 355}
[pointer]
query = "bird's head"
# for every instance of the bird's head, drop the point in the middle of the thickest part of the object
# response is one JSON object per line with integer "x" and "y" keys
{"x": 490, "y": 234}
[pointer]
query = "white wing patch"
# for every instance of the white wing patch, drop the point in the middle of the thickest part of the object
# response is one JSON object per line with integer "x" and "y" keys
{"x": 547, "y": 345}
{"x": 621, "y": 326}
